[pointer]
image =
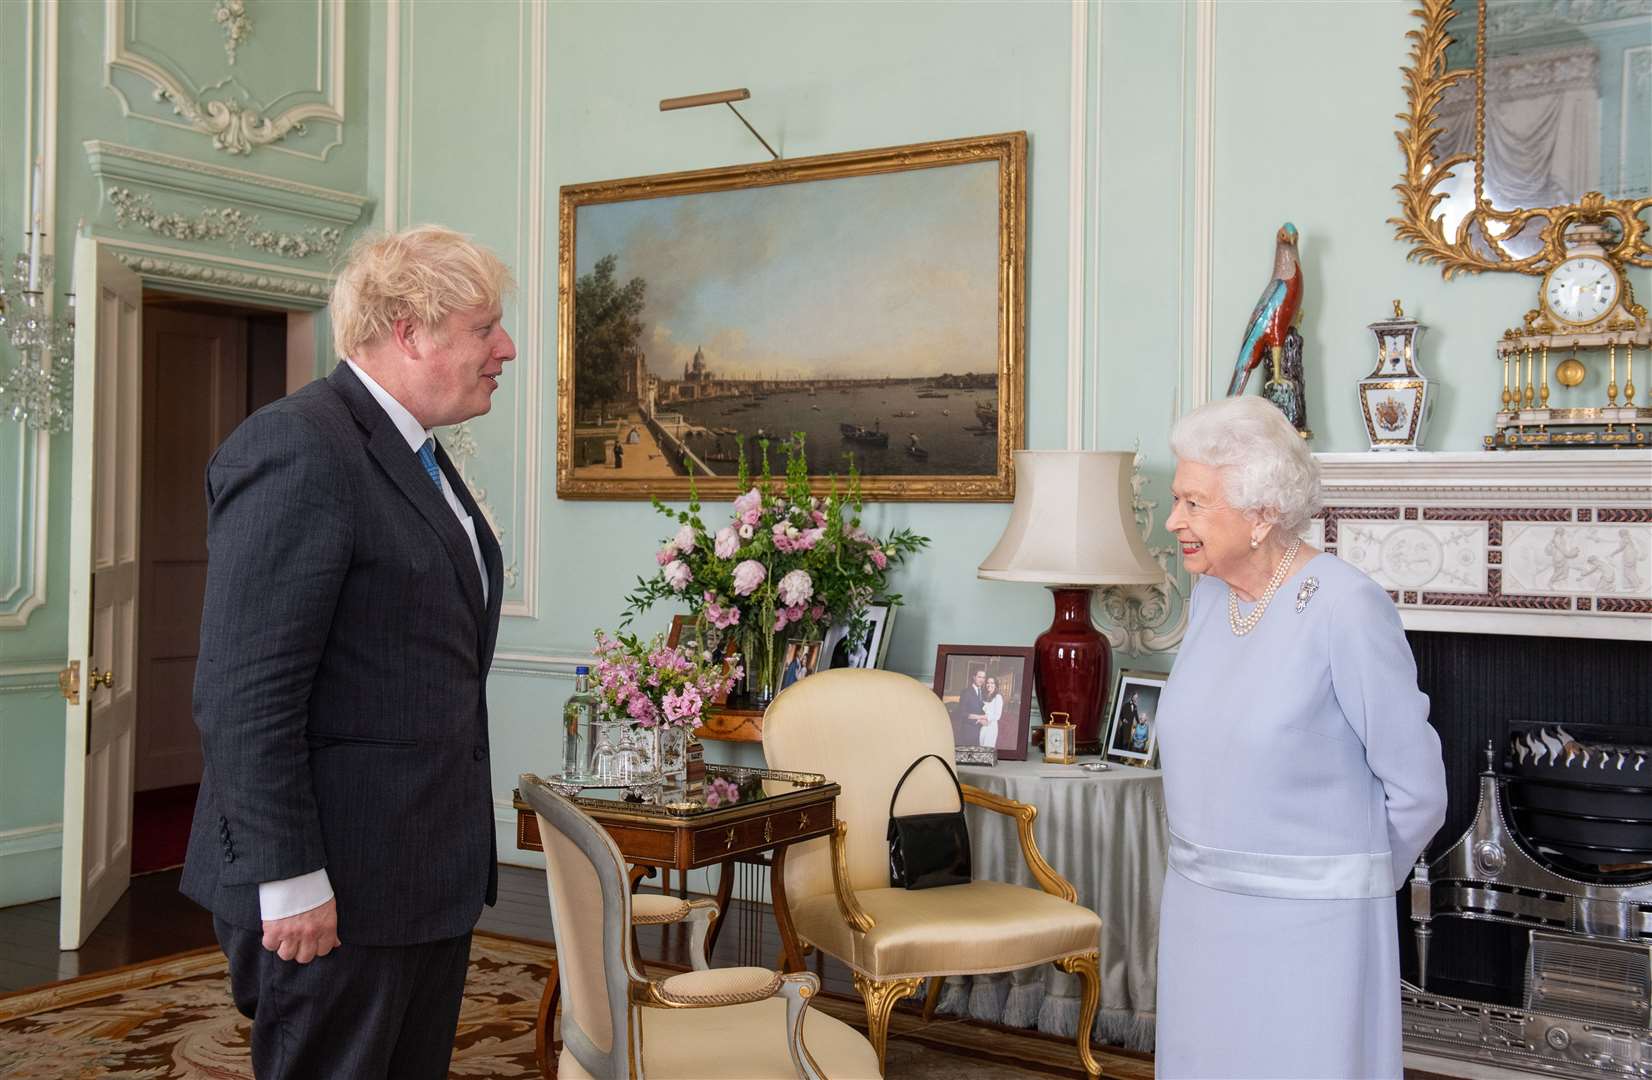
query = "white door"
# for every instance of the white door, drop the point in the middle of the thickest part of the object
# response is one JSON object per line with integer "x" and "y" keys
{"x": 103, "y": 593}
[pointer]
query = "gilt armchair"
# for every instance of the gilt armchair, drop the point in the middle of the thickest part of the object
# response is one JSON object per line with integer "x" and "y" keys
{"x": 862, "y": 728}
{"x": 617, "y": 1022}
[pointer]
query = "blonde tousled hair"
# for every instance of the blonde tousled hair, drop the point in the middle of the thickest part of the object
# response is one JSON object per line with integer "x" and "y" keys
{"x": 424, "y": 273}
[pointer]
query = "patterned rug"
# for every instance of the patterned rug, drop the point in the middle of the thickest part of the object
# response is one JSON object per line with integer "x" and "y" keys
{"x": 172, "y": 1019}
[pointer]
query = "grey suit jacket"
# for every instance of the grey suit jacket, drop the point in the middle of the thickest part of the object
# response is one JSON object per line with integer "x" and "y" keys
{"x": 341, "y": 686}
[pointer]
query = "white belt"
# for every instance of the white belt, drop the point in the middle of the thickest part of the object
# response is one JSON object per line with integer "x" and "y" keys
{"x": 1361, "y": 876}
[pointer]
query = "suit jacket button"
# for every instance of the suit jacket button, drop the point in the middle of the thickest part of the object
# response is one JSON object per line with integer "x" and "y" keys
{"x": 478, "y": 753}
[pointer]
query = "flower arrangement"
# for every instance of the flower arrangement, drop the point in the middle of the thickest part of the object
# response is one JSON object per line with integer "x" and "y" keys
{"x": 654, "y": 684}
{"x": 788, "y": 563}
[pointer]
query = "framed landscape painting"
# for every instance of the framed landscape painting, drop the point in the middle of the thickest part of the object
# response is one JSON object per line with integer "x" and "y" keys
{"x": 872, "y": 301}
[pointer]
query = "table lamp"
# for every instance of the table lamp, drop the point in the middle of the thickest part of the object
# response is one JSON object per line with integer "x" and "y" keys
{"x": 1072, "y": 528}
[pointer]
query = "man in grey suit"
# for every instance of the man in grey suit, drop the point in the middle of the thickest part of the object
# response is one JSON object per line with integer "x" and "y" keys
{"x": 343, "y": 838}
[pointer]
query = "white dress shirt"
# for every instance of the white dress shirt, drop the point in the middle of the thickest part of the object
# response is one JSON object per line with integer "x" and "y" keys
{"x": 292, "y": 896}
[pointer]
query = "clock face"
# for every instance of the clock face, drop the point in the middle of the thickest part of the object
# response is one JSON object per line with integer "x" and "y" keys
{"x": 1581, "y": 289}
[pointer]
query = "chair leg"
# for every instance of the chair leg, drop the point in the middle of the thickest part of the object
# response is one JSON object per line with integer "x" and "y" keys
{"x": 880, "y": 997}
{"x": 933, "y": 998}
{"x": 545, "y": 1047}
{"x": 1087, "y": 966}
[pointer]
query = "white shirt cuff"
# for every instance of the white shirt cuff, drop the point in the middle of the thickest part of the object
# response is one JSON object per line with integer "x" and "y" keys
{"x": 280, "y": 899}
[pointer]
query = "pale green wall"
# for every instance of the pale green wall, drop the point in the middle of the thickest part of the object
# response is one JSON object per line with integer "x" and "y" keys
{"x": 501, "y": 101}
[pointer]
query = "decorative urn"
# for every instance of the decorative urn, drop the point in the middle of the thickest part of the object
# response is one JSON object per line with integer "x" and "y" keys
{"x": 1396, "y": 399}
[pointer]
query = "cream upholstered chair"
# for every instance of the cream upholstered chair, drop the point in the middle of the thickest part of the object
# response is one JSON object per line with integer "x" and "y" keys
{"x": 862, "y": 728}
{"x": 730, "y": 1023}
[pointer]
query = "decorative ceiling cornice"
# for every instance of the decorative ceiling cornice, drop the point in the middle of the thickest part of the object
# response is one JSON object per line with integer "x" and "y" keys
{"x": 128, "y": 164}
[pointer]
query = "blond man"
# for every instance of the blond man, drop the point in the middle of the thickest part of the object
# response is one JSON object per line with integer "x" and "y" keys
{"x": 343, "y": 838}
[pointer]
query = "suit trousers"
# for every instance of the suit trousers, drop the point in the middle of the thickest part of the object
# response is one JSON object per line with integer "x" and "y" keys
{"x": 361, "y": 1012}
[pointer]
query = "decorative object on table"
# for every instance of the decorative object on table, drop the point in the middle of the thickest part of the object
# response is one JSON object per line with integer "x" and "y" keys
{"x": 685, "y": 633}
{"x": 579, "y": 714}
{"x": 801, "y": 658}
{"x": 681, "y": 363}
{"x": 1133, "y": 735}
{"x": 1276, "y": 311}
{"x": 864, "y": 645}
{"x": 928, "y": 851}
{"x": 985, "y": 690}
{"x": 37, "y": 390}
{"x": 1073, "y": 527}
{"x": 1284, "y": 386}
{"x": 1396, "y": 399}
{"x": 1059, "y": 744}
{"x": 1585, "y": 304}
{"x": 789, "y": 564}
{"x": 650, "y": 697}
{"x": 975, "y": 755}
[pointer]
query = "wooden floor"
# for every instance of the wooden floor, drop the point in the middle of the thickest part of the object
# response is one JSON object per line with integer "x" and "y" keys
{"x": 153, "y": 920}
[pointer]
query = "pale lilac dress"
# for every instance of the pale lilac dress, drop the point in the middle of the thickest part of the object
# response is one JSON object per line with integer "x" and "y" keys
{"x": 1301, "y": 781}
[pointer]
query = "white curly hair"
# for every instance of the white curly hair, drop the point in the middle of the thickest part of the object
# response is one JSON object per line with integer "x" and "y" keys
{"x": 1265, "y": 464}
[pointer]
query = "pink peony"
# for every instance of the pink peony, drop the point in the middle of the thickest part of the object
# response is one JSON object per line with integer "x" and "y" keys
{"x": 796, "y": 587}
{"x": 880, "y": 559}
{"x": 677, "y": 574}
{"x": 684, "y": 539}
{"x": 751, "y": 517}
{"x": 728, "y": 542}
{"x": 666, "y": 554}
{"x": 748, "y": 576}
{"x": 749, "y": 503}
{"x": 817, "y": 612}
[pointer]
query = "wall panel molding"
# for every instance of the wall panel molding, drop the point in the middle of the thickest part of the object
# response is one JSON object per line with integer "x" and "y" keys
{"x": 1204, "y": 207}
{"x": 198, "y": 272}
{"x": 154, "y": 86}
{"x": 1077, "y": 205}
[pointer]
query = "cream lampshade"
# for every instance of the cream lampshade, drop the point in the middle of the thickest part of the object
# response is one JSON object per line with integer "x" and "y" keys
{"x": 1072, "y": 528}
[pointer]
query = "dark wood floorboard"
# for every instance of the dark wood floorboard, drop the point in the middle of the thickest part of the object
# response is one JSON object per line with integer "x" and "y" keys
{"x": 153, "y": 920}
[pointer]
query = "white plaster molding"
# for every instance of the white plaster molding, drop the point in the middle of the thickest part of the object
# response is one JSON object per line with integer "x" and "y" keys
{"x": 1079, "y": 79}
{"x": 1147, "y": 618}
{"x": 1553, "y": 543}
{"x": 29, "y": 676}
{"x": 392, "y": 110}
{"x": 235, "y": 126}
{"x": 231, "y": 17}
{"x": 30, "y": 839}
{"x": 208, "y": 180}
{"x": 221, "y": 275}
{"x": 1204, "y": 211}
{"x": 40, "y": 140}
{"x": 533, "y": 314}
{"x": 227, "y": 225}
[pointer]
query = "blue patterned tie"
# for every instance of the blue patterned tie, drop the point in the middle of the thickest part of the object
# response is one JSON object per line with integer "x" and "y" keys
{"x": 427, "y": 455}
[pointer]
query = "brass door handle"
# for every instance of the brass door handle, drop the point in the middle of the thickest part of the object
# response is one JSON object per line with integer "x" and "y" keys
{"x": 68, "y": 682}
{"x": 107, "y": 679}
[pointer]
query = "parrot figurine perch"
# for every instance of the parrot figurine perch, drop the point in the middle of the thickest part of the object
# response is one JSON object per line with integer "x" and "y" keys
{"x": 1276, "y": 312}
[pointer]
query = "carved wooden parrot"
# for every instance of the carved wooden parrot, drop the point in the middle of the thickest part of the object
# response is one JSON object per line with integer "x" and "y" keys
{"x": 1275, "y": 312}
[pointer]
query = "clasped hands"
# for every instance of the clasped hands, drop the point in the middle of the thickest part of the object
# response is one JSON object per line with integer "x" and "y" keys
{"x": 304, "y": 936}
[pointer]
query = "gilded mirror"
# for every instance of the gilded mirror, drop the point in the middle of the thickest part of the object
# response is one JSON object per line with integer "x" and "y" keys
{"x": 1525, "y": 118}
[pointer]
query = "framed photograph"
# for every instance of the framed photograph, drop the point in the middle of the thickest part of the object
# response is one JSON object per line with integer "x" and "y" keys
{"x": 872, "y": 300}
{"x": 685, "y": 631}
{"x": 801, "y": 659}
{"x": 1133, "y": 730}
{"x": 863, "y": 650}
{"x": 988, "y": 691}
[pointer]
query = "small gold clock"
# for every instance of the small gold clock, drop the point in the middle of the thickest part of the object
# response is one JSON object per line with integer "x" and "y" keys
{"x": 1581, "y": 290}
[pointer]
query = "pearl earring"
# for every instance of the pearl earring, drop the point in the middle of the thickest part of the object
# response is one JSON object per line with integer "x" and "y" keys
{"x": 1254, "y": 543}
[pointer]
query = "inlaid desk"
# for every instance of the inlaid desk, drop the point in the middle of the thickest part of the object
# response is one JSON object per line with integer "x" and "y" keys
{"x": 674, "y": 830}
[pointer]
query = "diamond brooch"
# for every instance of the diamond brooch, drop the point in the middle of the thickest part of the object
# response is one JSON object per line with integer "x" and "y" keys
{"x": 1306, "y": 593}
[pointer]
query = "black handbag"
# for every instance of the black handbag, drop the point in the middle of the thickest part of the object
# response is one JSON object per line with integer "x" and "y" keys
{"x": 928, "y": 850}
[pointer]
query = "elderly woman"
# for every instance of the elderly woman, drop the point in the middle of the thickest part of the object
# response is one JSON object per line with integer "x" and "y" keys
{"x": 1301, "y": 776}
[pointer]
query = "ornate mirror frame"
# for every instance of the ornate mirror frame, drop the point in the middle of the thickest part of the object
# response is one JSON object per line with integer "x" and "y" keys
{"x": 1475, "y": 247}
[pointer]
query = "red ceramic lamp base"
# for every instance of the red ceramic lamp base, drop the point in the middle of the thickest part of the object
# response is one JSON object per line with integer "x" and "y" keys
{"x": 1072, "y": 665}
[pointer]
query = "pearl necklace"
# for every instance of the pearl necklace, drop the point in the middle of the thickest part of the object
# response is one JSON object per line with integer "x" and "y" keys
{"x": 1243, "y": 626}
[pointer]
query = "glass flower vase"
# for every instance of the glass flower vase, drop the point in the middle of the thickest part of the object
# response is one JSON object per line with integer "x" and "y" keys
{"x": 764, "y": 655}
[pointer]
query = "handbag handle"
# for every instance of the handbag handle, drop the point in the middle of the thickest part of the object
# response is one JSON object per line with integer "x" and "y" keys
{"x": 914, "y": 765}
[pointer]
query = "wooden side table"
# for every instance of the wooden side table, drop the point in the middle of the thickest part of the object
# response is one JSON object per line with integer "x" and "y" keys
{"x": 775, "y": 810}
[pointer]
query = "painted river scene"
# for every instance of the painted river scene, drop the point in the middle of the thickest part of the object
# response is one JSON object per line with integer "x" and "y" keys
{"x": 862, "y": 312}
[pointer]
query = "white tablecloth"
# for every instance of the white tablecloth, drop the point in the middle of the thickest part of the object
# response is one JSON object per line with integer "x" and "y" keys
{"x": 1106, "y": 833}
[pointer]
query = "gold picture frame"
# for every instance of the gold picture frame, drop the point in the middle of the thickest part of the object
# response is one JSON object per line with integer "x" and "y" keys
{"x": 626, "y": 418}
{"x": 1475, "y": 245}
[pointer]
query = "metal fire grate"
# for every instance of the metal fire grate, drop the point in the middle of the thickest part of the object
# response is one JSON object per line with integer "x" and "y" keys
{"x": 1607, "y": 982}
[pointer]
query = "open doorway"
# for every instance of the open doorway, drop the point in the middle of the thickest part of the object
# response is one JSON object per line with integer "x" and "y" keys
{"x": 207, "y": 366}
